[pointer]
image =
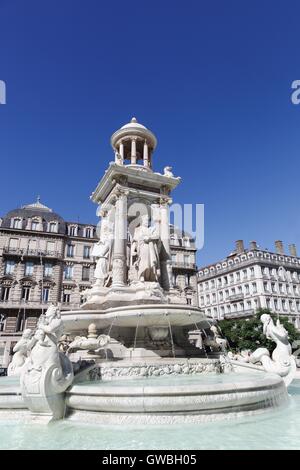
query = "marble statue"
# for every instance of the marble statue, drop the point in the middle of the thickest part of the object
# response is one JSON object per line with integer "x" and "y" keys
{"x": 145, "y": 252}
{"x": 216, "y": 342}
{"x": 46, "y": 373}
{"x": 168, "y": 171}
{"x": 282, "y": 362}
{"x": 89, "y": 344}
{"x": 21, "y": 350}
{"x": 102, "y": 251}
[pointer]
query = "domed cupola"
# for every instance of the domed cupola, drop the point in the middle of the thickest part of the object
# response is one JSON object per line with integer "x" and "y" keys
{"x": 134, "y": 144}
{"x": 35, "y": 216}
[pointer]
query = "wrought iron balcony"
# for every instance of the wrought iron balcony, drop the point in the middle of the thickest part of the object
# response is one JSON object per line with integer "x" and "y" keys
{"x": 240, "y": 314}
{"x": 178, "y": 265}
{"x": 20, "y": 252}
{"x": 236, "y": 297}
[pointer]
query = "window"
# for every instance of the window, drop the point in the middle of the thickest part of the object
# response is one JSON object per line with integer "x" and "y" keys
{"x": 34, "y": 225}
{"x": 2, "y": 321}
{"x": 21, "y": 318}
{"x": 9, "y": 267}
{"x": 252, "y": 272}
{"x": 231, "y": 278}
{"x": 186, "y": 242}
{"x": 221, "y": 296}
{"x": 187, "y": 279}
{"x": 202, "y": 301}
{"x": 174, "y": 279}
{"x": 212, "y": 283}
{"x": 266, "y": 286}
{"x": 17, "y": 223}
{"x": 29, "y": 265}
{"x": 247, "y": 288}
{"x": 5, "y": 291}
{"x": 72, "y": 229}
{"x": 268, "y": 303}
{"x": 50, "y": 247}
{"x": 174, "y": 258}
{"x": 25, "y": 293}
{"x": 70, "y": 250}
{"x": 189, "y": 301}
{"x": 48, "y": 269}
{"x": 86, "y": 252}
{"x": 13, "y": 244}
{"x": 86, "y": 273}
{"x": 254, "y": 287}
{"x": 273, "y": 287}
{"x": 225, "y": 280}
{"x": 238, "y": 276}
{"x": 275, "y": 304}
{"x": 68, "y": 272}
{"x": 53, "y": 227}
{"x": 281, "y": 288}
{"x": 45, "y": 294}
{"x": 186, "y": 259}
{"x": 214, "y": 298}
{"x": 88, "y": 232}
{"x": 66, "y": 297}
{"x": 245, "y": 273}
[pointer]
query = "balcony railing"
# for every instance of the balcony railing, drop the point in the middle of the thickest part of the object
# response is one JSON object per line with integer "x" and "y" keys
{"x": 31, "y": 253}
{"x": 235, "y": 297}
{"x": 177, "y": 264}
{"x": 36, "y": 304}
{"x": 240, "y": 314}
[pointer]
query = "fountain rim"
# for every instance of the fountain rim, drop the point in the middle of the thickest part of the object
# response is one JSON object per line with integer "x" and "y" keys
{"x": 147, "y": 315}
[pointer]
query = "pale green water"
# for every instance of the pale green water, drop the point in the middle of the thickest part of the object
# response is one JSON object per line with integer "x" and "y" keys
{"x": 272, "y": 430}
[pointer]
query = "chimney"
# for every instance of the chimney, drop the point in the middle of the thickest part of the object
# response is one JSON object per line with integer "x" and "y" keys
{"x": 253, "y": 245}
{"x": 279, "y": 247}
{"x": 239, "y": 246}
{"x": 293, "y": 250}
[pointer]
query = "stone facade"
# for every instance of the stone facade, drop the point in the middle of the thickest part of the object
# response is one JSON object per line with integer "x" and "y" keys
{"x": 249, "y": 279}
{"x": 45, "y": 259}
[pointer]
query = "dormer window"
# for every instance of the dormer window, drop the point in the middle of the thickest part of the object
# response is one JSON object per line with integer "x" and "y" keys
{"x": 52, "y": 227}
{"x": 186, "y": 242}
{"x": 72, "y": 230}
{"x": 34, "y": 225}
{"x": 88, "y": 233}
{"x": 16, "y": 223}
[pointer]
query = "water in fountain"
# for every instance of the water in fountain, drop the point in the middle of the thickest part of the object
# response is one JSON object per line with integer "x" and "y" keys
{"x": 171, "y": 336}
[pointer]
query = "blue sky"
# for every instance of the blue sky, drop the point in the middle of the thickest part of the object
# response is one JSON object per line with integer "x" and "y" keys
{"x": 212, "y": 79}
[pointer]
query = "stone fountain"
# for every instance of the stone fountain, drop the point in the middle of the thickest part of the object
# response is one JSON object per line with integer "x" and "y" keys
{"x": 133, "y": 323}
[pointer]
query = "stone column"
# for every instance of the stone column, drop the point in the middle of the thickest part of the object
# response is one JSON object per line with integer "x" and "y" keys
{"x": 133, "y": 151}
{"x": 166, "y": 263}
{"x": 121, "y": 151}
{"x": 119, "y": 267}
{"x": 145, "y": 155}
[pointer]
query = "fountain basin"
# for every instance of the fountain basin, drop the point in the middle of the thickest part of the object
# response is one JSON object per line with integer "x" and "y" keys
{"x": 146, "y": 315}
{"x": 10, "y": 394}
{"x": 175, "y": 400}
